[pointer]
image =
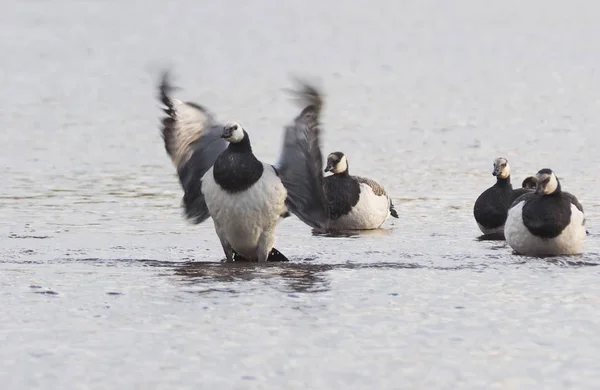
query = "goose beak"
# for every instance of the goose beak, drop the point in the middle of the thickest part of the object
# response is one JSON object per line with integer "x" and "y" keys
{"x": 329, "y": 167}
{"x": 226, "y": 132}
{"x": 539, "y": 189}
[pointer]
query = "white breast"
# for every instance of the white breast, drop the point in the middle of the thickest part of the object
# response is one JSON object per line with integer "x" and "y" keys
{"x": 370, "y": 212}
{"x": 570, "y": 240}
{"x": 242, "y": 218}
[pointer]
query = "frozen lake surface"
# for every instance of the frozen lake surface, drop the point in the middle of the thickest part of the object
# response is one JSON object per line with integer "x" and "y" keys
{"x": 105, "y": 286}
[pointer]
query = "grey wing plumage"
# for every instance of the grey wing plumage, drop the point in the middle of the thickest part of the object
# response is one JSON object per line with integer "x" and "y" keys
{"x": 193, "y": 141}
{"x": 376, "y": 187}
{"x": 300, "y": 165}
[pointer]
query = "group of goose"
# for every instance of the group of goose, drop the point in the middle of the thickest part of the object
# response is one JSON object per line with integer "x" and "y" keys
{"x": 539, "y": 219}
{"x": 246, "y": 198}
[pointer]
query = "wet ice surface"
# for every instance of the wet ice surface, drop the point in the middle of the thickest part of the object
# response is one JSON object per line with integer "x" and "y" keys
{"x": 104, "y": 285}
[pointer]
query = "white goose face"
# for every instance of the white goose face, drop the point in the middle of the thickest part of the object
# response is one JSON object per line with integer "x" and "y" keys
{"x": 336, "y": 163}
{"x": 547, "y": 182}
{"x": 501, "y": 168}
{"x": 233, "y": 132}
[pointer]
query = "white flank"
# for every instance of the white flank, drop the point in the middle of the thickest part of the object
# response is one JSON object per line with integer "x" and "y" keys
{"x": 569, "y": 242}
{"x": 370, "y": 212}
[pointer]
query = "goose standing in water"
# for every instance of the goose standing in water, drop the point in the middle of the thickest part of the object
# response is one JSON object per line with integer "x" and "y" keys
{"x": 222, "y": 178}
{"x": 548, "y": 222}
{"x": 491, "y": 207}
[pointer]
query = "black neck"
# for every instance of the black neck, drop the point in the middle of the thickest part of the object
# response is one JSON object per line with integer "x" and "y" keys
{"x": 242, "y": 146}
{"x": 503, "y": 182}
{"x": 237, "y": 169}
{"x": 558, "y": 189}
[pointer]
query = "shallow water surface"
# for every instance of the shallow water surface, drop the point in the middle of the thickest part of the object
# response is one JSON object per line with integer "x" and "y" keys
{"x": 104, "y": 285}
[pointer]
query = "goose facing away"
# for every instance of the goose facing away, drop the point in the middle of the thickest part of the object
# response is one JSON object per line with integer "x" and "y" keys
{"x": 547, "y": 222}
{"x": 529, "y": 182}
{"x": 222, "y": 178}
{"x": 491, "y": 207}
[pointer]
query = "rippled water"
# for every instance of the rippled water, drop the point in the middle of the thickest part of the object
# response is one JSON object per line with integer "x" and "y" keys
{"x": 104, "y": 285}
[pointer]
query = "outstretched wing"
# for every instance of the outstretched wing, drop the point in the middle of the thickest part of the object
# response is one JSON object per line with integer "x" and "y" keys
{"x": 193, "y": 141}
{"x": 300, "y": 165}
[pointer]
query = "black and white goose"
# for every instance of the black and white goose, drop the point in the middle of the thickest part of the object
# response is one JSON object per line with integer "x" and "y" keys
{"x": 548, "y": 222}
{"x": 353, "y": 202}
{"x": 222, "y": 178}
{"x": 491, "y": 207}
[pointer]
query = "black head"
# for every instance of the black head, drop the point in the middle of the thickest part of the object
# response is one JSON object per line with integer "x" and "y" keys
{"x": 336, "y": 163}
{"x": 529, "y": 183}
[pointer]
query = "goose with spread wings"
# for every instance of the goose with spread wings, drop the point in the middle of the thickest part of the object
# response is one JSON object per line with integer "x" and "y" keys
{"x": 222, "y": 178}
{"x": 353, "y": 202}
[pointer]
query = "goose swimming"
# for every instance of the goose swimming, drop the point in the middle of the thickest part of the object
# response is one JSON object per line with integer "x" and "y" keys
{"x": 353, "y": 202}
{"x": 547, "y": 222}
{"x": 491, "y": 207}
{"x": 222, "y": 178}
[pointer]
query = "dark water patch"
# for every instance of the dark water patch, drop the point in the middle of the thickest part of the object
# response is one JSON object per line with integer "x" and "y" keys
{"x": 211, "y": 291}
{"x": 352, "y": 233}
{"x": 572, "y": 262}
{"x": 47, "y": 292}
{"x": 122, "y": 262}
{"x": 575, "y": 261}
{"x": 296, "y": 277}
{"x": 41, "y": 196}
{"x": 13, "y": 235}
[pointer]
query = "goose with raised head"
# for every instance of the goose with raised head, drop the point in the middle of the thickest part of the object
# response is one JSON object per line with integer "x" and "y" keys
{"x": 491, "y": 207}
{"x": 223, "y": 179}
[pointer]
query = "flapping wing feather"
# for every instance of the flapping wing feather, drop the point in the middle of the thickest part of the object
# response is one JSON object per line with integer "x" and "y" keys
{"x": 193, "y": 141}
{"x": 301, "y": 164}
